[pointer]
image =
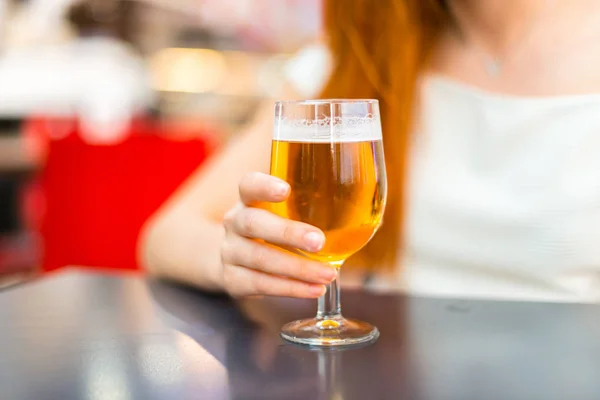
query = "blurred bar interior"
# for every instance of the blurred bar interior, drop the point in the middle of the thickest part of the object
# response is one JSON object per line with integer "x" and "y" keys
{"x": 106, "y": 106}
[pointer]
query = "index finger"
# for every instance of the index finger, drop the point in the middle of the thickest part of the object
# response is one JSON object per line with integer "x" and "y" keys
{"x": 258, "y": 187}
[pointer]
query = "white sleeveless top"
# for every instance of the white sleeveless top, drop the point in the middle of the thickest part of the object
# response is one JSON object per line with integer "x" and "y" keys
{"x": 503, "y": 196}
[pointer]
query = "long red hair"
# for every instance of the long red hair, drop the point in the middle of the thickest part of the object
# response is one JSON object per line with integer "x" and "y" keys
{"x": 379, "y": 48}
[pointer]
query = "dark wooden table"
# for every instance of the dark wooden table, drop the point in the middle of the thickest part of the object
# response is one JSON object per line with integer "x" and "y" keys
{"x": 78, "y": 335}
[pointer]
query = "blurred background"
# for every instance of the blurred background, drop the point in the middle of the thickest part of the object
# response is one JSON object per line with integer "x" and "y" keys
{"x": 106, "y": 106}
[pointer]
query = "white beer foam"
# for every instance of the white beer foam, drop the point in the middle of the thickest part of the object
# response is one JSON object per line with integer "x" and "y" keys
{"x": 327, "y": 129}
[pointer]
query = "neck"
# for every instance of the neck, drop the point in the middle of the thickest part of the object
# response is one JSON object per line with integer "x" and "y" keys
{"x": 496, "y": 23}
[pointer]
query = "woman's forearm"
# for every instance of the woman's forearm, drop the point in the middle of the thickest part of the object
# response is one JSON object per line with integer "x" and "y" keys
{"x": 181, "y": 249}
{"x": 182, "y": 241}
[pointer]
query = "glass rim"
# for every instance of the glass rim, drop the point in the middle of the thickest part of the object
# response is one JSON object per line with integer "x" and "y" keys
{"x": 325, "y": 101}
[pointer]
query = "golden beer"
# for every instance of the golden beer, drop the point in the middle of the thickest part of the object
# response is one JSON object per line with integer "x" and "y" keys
{"x": 331, "y": 154}
{"x": 339, "y": 187}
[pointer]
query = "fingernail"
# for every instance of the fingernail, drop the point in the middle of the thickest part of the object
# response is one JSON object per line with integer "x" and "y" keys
{"x": 314, "y": 241}
{"x": 280, "y": 188}
{"x": 317, "y": 290}
{"x": 327, "y": 274}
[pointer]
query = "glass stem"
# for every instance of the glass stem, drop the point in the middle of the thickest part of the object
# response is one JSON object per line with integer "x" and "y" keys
{"x": 329, "y": 303}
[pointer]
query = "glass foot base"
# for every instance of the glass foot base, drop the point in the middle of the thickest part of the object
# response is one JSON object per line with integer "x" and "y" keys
{"x": 329, "y": 332}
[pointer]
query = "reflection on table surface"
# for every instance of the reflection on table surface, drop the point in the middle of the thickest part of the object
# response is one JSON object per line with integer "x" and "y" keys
{"x": 85, "y": 336}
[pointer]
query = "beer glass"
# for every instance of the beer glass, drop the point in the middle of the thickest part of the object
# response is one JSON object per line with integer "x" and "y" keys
{"x": 331, "y": 154}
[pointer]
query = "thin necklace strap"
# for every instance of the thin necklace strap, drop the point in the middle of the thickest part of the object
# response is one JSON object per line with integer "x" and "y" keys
{"x": 493, "y": 64}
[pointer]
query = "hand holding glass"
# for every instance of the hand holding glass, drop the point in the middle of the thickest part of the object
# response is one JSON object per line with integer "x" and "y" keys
{"x": 331, "y": 154}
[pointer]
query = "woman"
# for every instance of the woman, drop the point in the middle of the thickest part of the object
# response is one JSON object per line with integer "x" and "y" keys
{"x": 493, "y": 110}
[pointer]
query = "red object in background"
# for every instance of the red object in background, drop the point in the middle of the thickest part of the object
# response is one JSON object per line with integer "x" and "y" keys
{"x": 97, "y": 198}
